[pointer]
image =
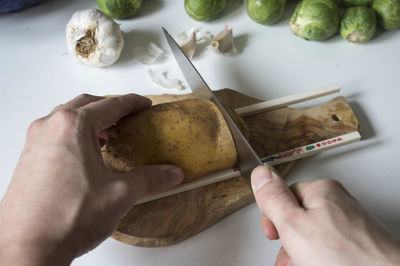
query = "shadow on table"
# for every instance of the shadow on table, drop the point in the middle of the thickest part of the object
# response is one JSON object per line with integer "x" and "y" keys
{"x": 149, "y": 7}
{"x": 245, "y": 83}
{"x": 241, "y": 42}
{"x": 367, "y": 129}
{"x": 233, "y": 8}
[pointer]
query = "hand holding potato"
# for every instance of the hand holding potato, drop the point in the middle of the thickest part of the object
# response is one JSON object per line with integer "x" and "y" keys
{"x": 62, "y": 200}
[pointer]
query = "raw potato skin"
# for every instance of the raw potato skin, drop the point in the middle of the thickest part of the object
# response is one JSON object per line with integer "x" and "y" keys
{"x": 190, "y": 133}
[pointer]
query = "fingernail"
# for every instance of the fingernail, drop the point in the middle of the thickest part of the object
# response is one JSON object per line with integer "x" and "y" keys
{"x": 174, "y": 176}
{"x": 260, "y": 176}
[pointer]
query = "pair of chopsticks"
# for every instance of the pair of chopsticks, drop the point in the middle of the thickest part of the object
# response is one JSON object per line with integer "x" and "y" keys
{"x": 276, "y": 159}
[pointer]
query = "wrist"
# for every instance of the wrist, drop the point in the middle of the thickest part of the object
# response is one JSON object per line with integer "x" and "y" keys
{"x": 20, "y": 252}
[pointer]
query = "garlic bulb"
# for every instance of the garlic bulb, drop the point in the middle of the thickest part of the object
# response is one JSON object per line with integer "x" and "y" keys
{"x": 93, "y": 38}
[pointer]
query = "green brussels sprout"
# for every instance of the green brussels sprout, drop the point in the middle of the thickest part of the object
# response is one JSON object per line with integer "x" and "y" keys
{"x": 388, "y": 13}
{"x": 358, "y": 24}
{"x": 119, "y": 9}
{"x": 265, "y": 11}
{"x": 358, "y": 2}
{"x": 203, "y": 10}
{"x": 315, "y": 20}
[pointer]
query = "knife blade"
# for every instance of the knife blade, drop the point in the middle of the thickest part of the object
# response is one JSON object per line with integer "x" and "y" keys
{"x": 247, "y": 157}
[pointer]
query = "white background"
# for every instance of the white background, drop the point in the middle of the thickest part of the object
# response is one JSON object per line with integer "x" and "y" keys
{"x": 37, "y": 73}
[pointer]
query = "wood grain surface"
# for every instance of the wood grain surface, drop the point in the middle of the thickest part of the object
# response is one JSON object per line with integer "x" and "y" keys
{"x": 172, "y": 219}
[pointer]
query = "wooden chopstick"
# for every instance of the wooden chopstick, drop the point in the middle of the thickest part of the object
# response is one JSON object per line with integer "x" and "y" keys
{"x": 288, "y": 100}
{"x": 276, "y": 159}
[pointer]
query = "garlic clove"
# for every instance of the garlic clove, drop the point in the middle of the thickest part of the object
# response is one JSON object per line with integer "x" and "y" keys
{"x": 160, "y": 78}
{"x": 93, "y": 38}
{"x": 189, "y": 46}
{"x": 223, "y": 42}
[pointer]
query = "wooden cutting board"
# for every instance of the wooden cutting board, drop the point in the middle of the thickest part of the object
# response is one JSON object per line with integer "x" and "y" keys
{"x": 172, "y": 219}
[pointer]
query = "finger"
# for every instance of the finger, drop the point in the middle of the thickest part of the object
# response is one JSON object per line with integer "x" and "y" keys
{"x": 283, "y": 259}
{"x": 103, "y": 136}
{"x": 273, "y": 197}
{"x": 104, "y": 113}
{"x": 297, "y": 189}
{"x": 144, "y": 181}
{"x": 269, "y": 228}
{"x": 315, "y": 194}
{"x": 79, "y": 101}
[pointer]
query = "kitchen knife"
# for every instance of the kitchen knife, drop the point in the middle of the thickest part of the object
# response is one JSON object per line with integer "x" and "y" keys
{"x": 247, "y": 158}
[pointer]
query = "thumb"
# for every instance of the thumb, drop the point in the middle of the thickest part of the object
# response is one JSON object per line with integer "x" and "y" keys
{"x": 283, "y": 258}
{"x": 144, "y": 181}
{"x": 273, "y": 197}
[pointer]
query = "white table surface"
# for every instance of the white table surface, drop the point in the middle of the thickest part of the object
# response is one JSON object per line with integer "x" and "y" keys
{"x": 36, "y": 74}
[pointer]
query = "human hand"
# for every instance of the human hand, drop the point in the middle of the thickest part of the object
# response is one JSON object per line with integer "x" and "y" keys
{"x": 320, "y": 223}
{"x": 62, "y": 201}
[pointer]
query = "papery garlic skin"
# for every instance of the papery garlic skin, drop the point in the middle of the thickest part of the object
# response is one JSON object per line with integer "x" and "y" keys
{"x": 149, "y": 54}
{"x": 201, "y": 35}
{"x": 160, "y": 78}
{"x": 93, "y": 38}
{"x": 191, "y": 38}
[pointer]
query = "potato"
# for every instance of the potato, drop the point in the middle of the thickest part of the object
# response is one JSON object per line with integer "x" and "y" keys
{"x": 191, "y": 134}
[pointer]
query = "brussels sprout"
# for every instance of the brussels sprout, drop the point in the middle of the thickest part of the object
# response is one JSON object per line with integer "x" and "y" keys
{"x": 265, "y": 11}
{"x": 119, "y": 9}
{"x": 388, "y": 13}
{"x": 315, "y": 20}
{"x": 204, "y": 9}
{"x": 358, "y": 24}
{"x": 358, "y": 2}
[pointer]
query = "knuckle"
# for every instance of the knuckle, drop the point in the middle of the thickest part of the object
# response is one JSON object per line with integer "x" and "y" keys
{"x": 83, "y": 114}
{"x": 58, "y": 107}
{"x": 120, "y": 189}
{"x": 34, "y": 127}
{"x": 324, "y": 192}
{"x": 35, "y": 124}
{"x": 63, "y": 122}
{"x": 328, "y": 184}
{"x": 65, "y": 117}
{"x": 84, "y": 96}
{"x": 115, "y": 100}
